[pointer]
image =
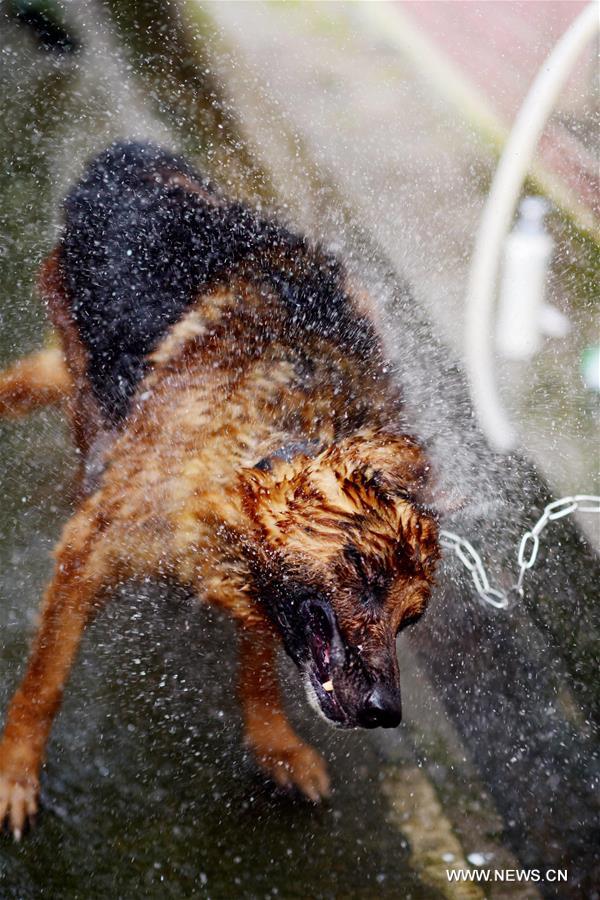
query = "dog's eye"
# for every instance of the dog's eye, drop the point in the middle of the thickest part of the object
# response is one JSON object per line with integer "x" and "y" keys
{"x": 373, "y": 582}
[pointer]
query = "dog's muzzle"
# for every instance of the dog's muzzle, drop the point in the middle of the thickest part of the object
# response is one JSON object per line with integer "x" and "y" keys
{"x": 348, "y": 694}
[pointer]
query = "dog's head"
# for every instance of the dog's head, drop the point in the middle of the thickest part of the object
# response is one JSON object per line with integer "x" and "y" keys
{"x": 343, "y": 556}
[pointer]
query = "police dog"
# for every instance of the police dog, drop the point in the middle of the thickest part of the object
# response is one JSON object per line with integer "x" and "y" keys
{"x": 240, "y": 433}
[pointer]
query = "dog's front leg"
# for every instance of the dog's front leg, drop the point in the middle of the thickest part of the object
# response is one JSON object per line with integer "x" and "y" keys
{"x": 277, "y": 748}
{"x": 66, "y": 608}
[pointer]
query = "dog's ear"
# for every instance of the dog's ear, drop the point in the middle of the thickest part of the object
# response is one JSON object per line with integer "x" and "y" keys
{"x": 401, "y": 467}
{"x": 392, "y": 464}
{"x": 395, "y": 475}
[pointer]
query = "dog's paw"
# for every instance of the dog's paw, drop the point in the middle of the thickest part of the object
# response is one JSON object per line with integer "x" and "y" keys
{"x": 18, "y": 803}
{"x": 297, "y": 766}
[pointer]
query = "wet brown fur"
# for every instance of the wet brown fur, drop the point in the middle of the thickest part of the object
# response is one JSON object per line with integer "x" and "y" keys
{"x": 176, "y": 492}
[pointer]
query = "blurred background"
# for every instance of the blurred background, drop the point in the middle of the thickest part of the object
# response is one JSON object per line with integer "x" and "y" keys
{"x": 376, "y": 128}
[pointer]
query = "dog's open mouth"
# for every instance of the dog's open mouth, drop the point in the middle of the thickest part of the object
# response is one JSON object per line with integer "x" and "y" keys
{"x": 326, "y": 660}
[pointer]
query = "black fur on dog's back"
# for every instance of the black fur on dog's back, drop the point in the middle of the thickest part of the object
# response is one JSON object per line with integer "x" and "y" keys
{"x": 145, "y": 233}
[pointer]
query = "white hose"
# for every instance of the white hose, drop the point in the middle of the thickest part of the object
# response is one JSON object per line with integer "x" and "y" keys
{"x": 496, "y": 220}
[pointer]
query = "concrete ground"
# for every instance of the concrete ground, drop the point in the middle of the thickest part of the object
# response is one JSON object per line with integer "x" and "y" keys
{"x": 148, "y": 792}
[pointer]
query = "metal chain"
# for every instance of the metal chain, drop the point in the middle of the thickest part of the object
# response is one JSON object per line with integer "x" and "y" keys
{"x": 528, "y": 548}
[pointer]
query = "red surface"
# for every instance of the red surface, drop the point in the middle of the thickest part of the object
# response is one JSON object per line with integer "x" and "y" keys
{"x": 499, "y": 47}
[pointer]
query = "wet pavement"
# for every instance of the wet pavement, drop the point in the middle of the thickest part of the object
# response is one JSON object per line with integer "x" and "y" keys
{"x": 148, "y": 791}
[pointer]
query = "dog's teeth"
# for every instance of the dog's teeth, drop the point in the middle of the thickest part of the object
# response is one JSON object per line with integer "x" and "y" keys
{"x": 327, "y": 686}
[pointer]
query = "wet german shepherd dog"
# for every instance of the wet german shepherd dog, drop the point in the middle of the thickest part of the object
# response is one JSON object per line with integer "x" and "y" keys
{"x": 240, "y": 433}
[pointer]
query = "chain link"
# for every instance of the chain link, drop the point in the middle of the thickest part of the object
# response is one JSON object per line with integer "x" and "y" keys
{"x": 528, "y": 548}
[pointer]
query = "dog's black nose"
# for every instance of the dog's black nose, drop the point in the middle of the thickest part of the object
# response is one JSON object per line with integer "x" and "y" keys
{"x": 381, "y": 709}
